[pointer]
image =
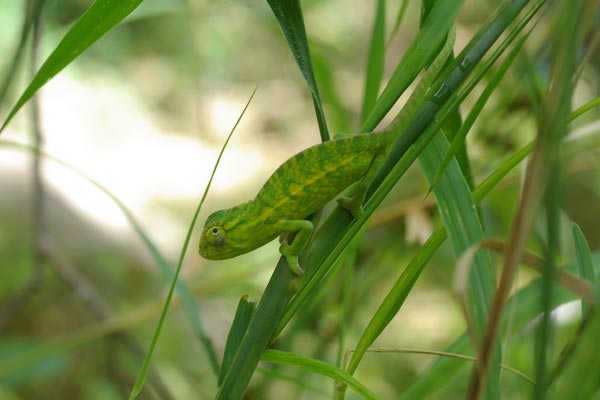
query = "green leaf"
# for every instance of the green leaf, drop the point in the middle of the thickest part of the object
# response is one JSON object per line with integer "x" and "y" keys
{"x": 291, "y": 21}
{"x": 318, "y": 367}
{"x": 459, "y": 214}
{"x": 95, "y": 22}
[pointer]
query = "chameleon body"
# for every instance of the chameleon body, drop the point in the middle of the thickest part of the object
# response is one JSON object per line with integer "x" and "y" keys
{"x": 299, "y": 187}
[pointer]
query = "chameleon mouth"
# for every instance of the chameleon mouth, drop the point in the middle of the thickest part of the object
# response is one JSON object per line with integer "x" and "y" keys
{"x": 216, "y": 253}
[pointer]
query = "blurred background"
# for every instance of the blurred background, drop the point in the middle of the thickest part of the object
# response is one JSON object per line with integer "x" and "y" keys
{"x": 144, "y": 112}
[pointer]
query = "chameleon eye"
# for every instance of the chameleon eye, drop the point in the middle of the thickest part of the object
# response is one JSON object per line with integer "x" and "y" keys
{"x": 216, "y": 236}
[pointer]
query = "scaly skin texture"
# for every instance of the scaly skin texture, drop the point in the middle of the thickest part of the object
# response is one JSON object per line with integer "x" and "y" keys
{"x": 299, "y": 187}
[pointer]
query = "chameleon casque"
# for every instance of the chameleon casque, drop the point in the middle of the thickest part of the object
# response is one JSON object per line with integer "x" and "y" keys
{"x": 305, "y": 183}
{"x": 299, "y": 187}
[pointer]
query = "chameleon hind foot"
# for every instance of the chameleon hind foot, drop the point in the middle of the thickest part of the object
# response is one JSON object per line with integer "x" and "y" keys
{"x": 351, "y": 204}
{"x": 300, "y": 231}
{"x": 292, "y": 260}
{"x": 295, "y": 266}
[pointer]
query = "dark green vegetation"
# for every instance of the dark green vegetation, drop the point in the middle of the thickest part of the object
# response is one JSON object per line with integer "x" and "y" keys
{"x": 505, "y": 134}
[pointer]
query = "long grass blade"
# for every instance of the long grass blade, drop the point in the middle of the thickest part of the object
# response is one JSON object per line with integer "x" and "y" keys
{"x": 375, "y": 61}
{"x": 290, "y": 18}
{"x": 461, "y": 220}
{"x": 139, "y": 383}
{"x": 318, "y": 367}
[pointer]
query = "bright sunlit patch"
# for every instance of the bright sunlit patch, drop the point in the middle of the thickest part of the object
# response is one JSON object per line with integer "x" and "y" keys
{"x": 104, "y": 132}
{"x": 562, "y": 315}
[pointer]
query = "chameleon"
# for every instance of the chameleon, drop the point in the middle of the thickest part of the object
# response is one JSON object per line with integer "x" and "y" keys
{"x": 303, "y": 184}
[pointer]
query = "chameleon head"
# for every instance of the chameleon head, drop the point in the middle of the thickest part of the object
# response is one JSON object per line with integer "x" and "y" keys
{"x": 219, "y": 240}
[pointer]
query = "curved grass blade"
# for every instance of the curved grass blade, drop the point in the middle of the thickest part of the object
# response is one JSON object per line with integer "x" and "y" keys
{"x": 585, "y": 108}
{"x": 318, "y": 367}
{"x": 139, "y": 383}
{"x": 290, "y": 19}
{"x": 102, "y": 16}
{"x": 581, "y": 287}
{"x": 504, "y": 367}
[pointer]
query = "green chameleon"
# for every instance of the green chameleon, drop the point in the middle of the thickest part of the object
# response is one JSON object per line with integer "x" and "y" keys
{"x": 301, "y": 186}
